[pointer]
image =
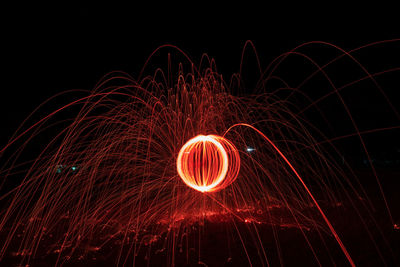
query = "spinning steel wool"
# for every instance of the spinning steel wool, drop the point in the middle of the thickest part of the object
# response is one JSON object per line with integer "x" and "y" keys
{"x": 145, "y": 163}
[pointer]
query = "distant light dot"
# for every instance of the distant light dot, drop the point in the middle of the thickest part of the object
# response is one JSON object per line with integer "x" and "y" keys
{"x": 250, "y": 149}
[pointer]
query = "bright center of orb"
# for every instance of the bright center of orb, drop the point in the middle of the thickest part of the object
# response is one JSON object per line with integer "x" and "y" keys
{"x": 208, "y": 163}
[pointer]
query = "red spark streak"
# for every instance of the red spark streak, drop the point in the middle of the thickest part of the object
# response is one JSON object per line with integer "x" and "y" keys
{"x": 306, "y": 188}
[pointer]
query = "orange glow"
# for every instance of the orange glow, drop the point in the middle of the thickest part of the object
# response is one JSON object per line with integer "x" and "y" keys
{"x": 208, "y": 163}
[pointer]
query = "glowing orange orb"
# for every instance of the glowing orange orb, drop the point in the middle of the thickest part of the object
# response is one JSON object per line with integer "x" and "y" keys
{"x": 208, "y": 163}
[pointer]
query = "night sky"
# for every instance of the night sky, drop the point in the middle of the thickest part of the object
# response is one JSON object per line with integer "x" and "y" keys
{"x": 50, "y": 49}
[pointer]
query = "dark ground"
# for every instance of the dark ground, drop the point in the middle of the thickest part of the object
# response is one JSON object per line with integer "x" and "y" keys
{"x": 221, "y": 246}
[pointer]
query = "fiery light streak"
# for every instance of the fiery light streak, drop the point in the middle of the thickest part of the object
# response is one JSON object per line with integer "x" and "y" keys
{"x": 122, "y": 172}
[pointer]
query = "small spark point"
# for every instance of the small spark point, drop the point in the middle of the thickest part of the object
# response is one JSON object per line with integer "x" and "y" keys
{"x": 250, "y": 149}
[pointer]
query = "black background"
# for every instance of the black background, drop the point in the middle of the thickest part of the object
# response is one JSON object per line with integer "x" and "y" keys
{"x": 49, "y": 49}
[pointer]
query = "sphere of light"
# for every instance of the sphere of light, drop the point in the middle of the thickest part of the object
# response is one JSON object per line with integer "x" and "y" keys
{"x": 208, "y": 163}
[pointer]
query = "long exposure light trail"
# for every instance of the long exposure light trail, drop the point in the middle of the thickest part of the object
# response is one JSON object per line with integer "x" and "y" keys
{"x": 141, "y": 171}
{"x": 208, "y": 163}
